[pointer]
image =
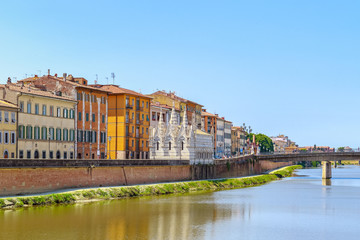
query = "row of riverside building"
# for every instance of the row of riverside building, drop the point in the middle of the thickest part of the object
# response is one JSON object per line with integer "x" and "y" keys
{"x": 51, "y": 117}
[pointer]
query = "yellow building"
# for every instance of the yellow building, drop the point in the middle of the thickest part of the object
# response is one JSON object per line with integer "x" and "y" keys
{"x": 46, "y": 124}
{"x": 8, "y": 129}
{"x": 128, "y": 123}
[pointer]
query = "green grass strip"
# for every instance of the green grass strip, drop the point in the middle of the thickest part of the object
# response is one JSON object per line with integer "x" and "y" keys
{"x": 145, "y": 190}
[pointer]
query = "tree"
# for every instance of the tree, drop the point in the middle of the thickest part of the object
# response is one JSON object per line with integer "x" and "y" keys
{"x": 341, "y": 149}
{"x": 266, "y": 144}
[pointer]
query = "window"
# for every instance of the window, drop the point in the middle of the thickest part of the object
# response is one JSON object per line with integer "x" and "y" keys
{"x": 43, "y": 154}
{"x": 169, "y": 145}
{"x": 87, "y": 117}
{"x": 21, "y": 106}
{"x": 36, "y": 108}
{"x": 43, "y": 133}
{"x": 6, "y": 117}
{"x": 0, "y": 116}
{"x": 28, "y": 107}
{"x": 147, "y": 130}
{"x": 51, "y": 111}
{"x": 28, "y": 132}
{"x": 65, "y": 135}
{"x": 93, "y": 117}
{"x": 103, "y": 118}
{"x": 21, "y": 130}
{"x": 51, "y": 133}
{"x": 28, "y": 154}
{"x": 51, "y": 154}
{"x": 21, "y": 154}
{"x": 58, "y": 112}
{"x": 157, "y": 145}
{"x": 36, "y": 133}
{"x": 87, "y": 136}
{"x": 79, "y": 116}
{"x": 94, "y": 137}
{"x": 65, "y": 113}
{"x": 13, "y": 117}
{"x": 79, "y": 96}
{"x": 142, "y": 117}
{"x": 65, "y": 155}
{"x": 0, "y": 136}
{"x": 72, "y": 135}
{"x": 72, "y": 113}
{"x": 58, "y": 134}
{"x": 142, "y": 104}
{"x": 147, "y": 118}
{"x": 142, "y": 130}
{"x": 71, "y": 155}
{"x": 79, "y": 135}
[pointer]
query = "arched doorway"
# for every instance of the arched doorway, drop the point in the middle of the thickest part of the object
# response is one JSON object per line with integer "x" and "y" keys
{"x": 58, "y": 155}
{"x": 6, "y": 154}
{"x": 36, "y": 154}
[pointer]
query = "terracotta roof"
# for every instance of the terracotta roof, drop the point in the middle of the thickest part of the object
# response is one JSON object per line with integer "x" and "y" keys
{"x": 172, "y": 95}
{"x": 34, "y": 91}
{"x": 114, "y": 89}
{"x": 75, "y": 84}
{"x": 163, "y": 106}
{"x": 4, "y": 103}
{"x": 208, "y": 114}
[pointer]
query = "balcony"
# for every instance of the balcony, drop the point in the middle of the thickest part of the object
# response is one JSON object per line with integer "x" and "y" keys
{"x": 140, "y": 122}
{"x": 139, "y": 109}
{"x": 129, "y": 106}
{"x": 128, "y": 120}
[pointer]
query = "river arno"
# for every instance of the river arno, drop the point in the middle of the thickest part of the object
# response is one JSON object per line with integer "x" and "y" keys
{"x": 292, "y": 208}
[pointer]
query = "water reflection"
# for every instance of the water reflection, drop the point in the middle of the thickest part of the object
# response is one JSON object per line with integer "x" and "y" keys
{"x": 169, "y": 217}
{"x": 326, "y": 182}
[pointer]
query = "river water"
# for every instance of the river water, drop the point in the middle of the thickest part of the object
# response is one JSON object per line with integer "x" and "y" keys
{"x": 301, "y": 207}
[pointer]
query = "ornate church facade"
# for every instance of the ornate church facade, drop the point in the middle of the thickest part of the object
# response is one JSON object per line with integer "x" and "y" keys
{"x": 179, "y": 141}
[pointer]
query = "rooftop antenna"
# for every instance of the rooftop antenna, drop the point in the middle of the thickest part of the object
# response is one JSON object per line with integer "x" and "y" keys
{"x": 96, "y": 80}
{"x": 107, "y": 80}
{"x": 25, "y": 75}
{"x": 113, "y": 77}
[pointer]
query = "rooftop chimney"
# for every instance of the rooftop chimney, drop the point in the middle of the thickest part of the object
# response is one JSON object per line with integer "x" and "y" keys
{"x": 64, "y": 76}
{"x": 55, "y": 74}
{"x": 9, "y": 80}
{"x": 48, "y": 72}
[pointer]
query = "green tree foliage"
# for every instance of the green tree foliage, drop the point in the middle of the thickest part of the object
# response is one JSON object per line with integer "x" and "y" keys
{"x": 341, "y": 149}
{"x": 266, "y": 145}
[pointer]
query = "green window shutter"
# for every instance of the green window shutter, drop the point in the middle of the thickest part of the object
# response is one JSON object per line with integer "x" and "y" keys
{"x": 31, "y": 132}
{"x": 23, "y": 132}
{"x": 19, "y": 134}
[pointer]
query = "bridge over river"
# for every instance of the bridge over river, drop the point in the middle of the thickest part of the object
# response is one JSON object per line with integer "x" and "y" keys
{"x": 324, "y": 158}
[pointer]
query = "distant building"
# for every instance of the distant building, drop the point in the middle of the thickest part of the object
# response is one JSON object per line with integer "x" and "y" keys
{"x": 156, "y": 109}
{"x": 220, "y": 137}
{"x": 227, "y": 138}
{"x": 176, "y": 141}
{"x": 238, "y": 140}
{"x": 208, "y": 125}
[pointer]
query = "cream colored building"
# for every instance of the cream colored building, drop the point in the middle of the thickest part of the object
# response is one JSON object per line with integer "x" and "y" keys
{"x": 8, "y": 127}
{"x": 46, "y": 122}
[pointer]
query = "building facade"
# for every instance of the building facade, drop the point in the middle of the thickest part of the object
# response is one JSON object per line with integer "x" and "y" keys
{"x": 192, "y": 109}
{"x": 227, "y": 138}
{"x": 177, "y": 141}
{"x": 8, "y": 129}
{"x": 91, "y": 111}
{"x": 220, "y": 137}
{"x": 208, "y": 125}
{"x": 156, "y": 109}
{"x": 238, "y": 141}
{"x": 46, "y": 125}
{"x": 128, "y": 123}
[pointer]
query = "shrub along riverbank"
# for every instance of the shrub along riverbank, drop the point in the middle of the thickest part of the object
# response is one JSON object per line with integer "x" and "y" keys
{"x": 145, "y": 190}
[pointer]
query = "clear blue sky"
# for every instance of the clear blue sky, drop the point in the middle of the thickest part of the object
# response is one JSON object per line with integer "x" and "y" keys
{"x": 288, "y": 67}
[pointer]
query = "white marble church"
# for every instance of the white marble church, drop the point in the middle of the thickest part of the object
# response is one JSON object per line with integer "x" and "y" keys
{"x": 176, "y": 141}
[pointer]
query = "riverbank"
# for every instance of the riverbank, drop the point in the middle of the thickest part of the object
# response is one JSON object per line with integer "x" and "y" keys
{"x": 78, "y": 196}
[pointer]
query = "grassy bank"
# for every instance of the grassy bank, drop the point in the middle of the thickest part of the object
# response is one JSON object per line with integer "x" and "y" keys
{"x": 145, "y": 190}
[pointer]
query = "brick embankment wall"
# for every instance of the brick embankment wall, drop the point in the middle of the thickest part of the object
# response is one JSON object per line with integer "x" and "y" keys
{"x": 27, "y": 180}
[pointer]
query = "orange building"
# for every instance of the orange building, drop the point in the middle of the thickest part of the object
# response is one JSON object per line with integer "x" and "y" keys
{"x": 209, "y": 124}
{"x": 90, "y": 112}
{"x": 128, "y": 123}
